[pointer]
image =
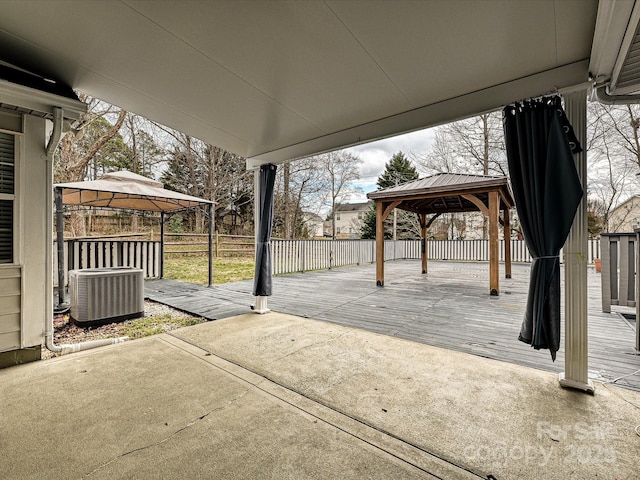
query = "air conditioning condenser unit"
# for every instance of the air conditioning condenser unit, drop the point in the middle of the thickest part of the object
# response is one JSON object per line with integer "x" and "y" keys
{"x": 105, "y": 295}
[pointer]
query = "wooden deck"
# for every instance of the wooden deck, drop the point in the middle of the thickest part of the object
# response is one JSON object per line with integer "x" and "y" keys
{"x": 449, "y": 307}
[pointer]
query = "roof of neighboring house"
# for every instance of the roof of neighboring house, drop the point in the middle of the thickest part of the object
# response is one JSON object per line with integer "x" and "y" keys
{"x": 353, "y": 207}
{"x": 628, "y": 200}
{"x": 313, "y": 217}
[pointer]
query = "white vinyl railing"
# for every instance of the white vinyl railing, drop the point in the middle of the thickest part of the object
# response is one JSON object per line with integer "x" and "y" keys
{"x": 302, "y": 255}
{"x": 618, "y": 270}
{"x": 291, "y": 256}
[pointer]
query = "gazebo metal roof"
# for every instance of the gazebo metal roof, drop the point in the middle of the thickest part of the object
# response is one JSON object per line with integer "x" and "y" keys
{"x": 446, "y": 193}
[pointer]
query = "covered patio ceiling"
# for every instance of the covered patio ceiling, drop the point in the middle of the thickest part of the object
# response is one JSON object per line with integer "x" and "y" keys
{"x": 277, "y": 80}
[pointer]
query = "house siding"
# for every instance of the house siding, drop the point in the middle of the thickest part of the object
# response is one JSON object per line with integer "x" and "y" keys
{"x": 34, "y": 239}
{"x": 10, "y": 307}
{"x": 625, "y": 216}
{"x": 22, "y": 320}
{"x": 349, "y": 222}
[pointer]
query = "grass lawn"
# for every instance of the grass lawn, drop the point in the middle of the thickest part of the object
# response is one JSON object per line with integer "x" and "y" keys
{"x": 194, "y": 269}
{"x": 152, "y": 325}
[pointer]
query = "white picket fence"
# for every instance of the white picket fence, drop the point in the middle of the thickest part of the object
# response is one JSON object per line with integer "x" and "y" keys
{"x": 80, "y": 254}
{"x": 290, "y": 256}
{"x": 302, "y": 255}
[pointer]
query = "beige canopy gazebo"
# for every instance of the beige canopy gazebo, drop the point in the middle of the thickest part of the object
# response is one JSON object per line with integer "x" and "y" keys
{"x": 129, "y": 191}
{"x": 448, "y": 193}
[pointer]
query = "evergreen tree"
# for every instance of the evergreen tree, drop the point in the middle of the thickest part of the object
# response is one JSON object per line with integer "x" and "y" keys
{"x": 369, "y": 226}
{"x": 398, "y": 170}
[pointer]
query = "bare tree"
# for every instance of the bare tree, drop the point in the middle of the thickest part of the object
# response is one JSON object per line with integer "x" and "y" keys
{"x": 82, "y": 145}
{"x": 339, "y": 169}
{"x": 300, "y": 186}
{"x": 474, "y": 145}
{"x": 144, "y": 140}
{"x": 78, "y": 148}
{"x": 206, "y": 171}
{"x": 614, "y": 157}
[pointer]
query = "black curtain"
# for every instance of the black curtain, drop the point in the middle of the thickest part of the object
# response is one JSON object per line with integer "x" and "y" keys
{"x": 540, "y": 145}
{"x": 262, "y": 277}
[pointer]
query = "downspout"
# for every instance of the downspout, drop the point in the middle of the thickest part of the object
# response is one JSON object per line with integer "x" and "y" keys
{"x": 64, "y": 348}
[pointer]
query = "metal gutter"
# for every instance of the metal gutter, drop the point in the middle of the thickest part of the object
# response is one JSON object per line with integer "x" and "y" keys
{"x": 602, "y": 95}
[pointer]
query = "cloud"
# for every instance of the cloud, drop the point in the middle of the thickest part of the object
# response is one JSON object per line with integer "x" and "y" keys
{"x": 376, "y": 154}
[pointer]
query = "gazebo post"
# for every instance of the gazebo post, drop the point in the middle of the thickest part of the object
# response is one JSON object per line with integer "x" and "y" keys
{"x": 161, "y": 244}
{"x": 494, "y": 205}
{"x": 506, "y": 228}
{"x": 379, "y": 244}
{"x": 423, "y": 233}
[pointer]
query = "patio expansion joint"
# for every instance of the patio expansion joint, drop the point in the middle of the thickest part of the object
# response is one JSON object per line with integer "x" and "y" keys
{"x": 375, "y": 437}
{"x": 172, "y": 435}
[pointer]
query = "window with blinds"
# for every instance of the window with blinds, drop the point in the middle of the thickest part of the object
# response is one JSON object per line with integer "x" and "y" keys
{"x": 7, "y": 196}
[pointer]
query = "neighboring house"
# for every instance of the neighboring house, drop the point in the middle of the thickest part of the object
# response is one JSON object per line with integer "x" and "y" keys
{"x": 464, "y": 226}
{"x": 327, "y": 229}
{"x": 459, "y": 226}
{"x": 313, "y": 224}
{"x": 625, "y": 217}
{"x": 28, "y": 105}
{"x": 350, "y": 218}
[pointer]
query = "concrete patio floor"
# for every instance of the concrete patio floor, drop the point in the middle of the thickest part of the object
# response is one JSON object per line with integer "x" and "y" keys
{"x": 449, "y": 307}
{"x": 281, "y": 397}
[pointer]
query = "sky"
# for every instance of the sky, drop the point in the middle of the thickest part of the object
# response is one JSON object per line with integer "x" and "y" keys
{"x": 376, "y": 154}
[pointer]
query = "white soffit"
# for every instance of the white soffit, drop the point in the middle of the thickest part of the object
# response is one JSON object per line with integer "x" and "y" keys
{"x": 281, "y": 79}
{"x": 614, "y": 31}
{"x": 625, "y": 78}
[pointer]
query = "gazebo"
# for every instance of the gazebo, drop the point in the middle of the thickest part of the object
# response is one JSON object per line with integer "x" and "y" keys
{"x": 129, "y": 191}
{"x": 448, "y": 193}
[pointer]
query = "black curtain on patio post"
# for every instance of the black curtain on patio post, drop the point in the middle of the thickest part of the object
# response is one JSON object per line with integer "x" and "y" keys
{"x": 540, "y": 144}
{"x": 262, "y": 277}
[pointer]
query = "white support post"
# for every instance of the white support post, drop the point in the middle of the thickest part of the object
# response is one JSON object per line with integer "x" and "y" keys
{"x": 575, "y": 252}
{"x": 260, "y": 304}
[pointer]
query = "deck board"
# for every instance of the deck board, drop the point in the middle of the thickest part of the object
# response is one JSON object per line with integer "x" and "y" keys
{"x": 449, "y": 307}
